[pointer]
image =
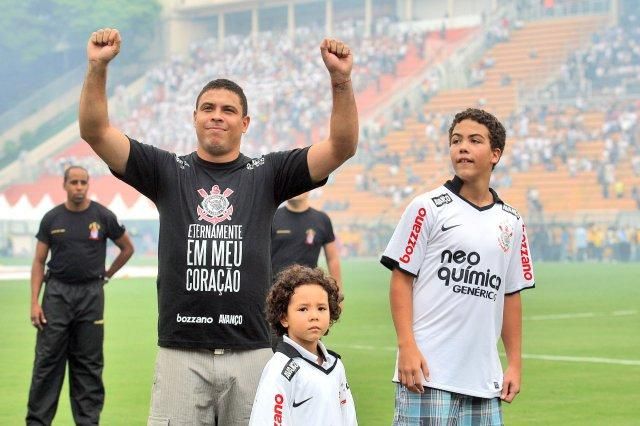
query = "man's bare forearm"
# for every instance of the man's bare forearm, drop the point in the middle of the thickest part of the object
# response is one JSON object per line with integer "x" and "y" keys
{"x": 94, "y": 114}
{"x": 343, "y": 129}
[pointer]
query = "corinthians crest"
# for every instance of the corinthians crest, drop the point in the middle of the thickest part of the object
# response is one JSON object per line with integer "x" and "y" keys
{"x": 215, "y": 207}
{"x": 505, "y": 236}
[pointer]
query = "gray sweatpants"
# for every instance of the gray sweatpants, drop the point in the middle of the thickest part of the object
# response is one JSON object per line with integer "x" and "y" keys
{"x": 205, "y": 387}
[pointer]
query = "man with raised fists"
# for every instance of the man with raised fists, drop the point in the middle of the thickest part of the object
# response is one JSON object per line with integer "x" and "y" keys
{"x": 216, "y": 206}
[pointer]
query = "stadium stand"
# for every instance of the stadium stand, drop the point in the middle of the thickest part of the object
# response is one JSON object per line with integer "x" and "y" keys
{"x": 569, "y": 165}
{"x": 281, "y": 119}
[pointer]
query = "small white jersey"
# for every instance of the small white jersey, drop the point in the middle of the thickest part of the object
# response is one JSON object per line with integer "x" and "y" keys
{"x": 464, "y": 260}
{"x": 295, "y": 391}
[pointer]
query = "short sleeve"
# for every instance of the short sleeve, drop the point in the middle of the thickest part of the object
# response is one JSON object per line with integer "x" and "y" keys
{"x": 407, "y": 247}
{"x": 43, "y": 230}
{"x": 115, "y": 229}
{"x": 520, "y": 270}
{"x": 272, "y": 397}
{"x": 142, "y": 168}
{"x": 330, "y": 236}
{"x": 292, "y": 175}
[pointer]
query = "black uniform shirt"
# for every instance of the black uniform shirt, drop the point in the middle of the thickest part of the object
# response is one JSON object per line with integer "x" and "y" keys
{"x": 297, "y": 237}
{"x": 78, "y": 241}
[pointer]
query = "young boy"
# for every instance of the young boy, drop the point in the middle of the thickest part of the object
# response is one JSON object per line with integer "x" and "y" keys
{"x": 459, "y": 258}
{"x": 303, "y": 383}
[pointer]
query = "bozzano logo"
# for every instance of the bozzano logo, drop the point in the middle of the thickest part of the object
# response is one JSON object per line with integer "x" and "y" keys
{"x": 277, "y": 409}
{"x": 194, "y": 320}
{"x": 524, "y": 256}
{"x": 413, "y": 236}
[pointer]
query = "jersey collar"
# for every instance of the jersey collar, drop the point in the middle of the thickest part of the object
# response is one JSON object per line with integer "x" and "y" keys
{"x": 241, "y": 161}
{"x": 455, "y": 185}
{"x": 291, "y": 349}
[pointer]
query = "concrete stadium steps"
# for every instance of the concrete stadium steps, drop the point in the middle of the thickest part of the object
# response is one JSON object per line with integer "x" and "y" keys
{"x": 499, "y": 100}
{"x": 410, "y": 66}
{"x": 560, "y": 192}
{"x": 552, "y": 41}
{"x": 413, "y": 64}
{"x": 593, "y": 120}
{"x": 590, "y": 149}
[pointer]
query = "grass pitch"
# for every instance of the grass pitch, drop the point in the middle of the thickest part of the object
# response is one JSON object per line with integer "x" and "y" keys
{"x": 581, "y": 346}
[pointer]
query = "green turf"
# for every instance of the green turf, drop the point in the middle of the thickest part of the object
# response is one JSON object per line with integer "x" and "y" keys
{"x": 553, "y": 392}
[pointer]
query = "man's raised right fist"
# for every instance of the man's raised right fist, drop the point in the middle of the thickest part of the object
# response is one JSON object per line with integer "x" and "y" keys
{"x": 103, "y": 45}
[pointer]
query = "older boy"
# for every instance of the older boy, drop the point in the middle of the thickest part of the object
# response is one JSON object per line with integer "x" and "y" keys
{"x": 459, "y": 258}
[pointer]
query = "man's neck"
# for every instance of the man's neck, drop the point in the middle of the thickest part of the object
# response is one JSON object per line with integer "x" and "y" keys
{"x": 222, "y": 158}
{"x": 71, "y": 206}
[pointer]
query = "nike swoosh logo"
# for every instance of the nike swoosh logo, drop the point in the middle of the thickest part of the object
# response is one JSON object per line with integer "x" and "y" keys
{"x": 446, "y": 228}
{"x": 297, "y": 404}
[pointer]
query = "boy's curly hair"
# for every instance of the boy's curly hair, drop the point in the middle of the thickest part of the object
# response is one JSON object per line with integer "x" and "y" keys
{"x": 497, "y": 133}
{"x": 286, "y": 282}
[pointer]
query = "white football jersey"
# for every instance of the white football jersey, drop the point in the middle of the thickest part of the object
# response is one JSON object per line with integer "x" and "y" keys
{"x": 295, "y": 391}
{"x": 464, "y": 260}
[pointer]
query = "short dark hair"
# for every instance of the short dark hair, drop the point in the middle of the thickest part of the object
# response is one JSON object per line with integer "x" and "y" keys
{"x": 223, "y": 83}
{"x": 497, "y": 133}
{"x": 287, "y": 281}
{"x": 68, "y": 170}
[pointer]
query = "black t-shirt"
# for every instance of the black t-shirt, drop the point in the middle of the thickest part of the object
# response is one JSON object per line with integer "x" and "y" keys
{"x": 297, "y": 237}
{"x": 78, "y": 241}
{"x": 214, "y": 264}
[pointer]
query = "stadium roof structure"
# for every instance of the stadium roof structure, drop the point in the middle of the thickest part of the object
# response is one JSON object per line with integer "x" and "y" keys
{"x": 20, "y": 205}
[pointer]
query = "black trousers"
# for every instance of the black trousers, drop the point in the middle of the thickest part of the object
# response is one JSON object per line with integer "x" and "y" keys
{"x": 74, "y": 333}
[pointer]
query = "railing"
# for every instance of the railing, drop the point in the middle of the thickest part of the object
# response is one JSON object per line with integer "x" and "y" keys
{"x": 536, "y": 10}
{"x": 586, "y": 97}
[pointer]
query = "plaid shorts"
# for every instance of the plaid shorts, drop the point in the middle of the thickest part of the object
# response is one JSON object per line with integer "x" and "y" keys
{"x": 436, "y": 407}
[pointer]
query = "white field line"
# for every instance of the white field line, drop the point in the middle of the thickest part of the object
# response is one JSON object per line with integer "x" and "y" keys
{"x": 579, "y": 315}
{"x": 579, "y": 359}
{"x": 23, "y": 272}
{"x": 583, "y": 359}
{"x": 622, "y": 313}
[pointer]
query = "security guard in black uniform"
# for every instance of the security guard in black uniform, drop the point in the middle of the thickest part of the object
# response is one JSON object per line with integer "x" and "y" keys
{"x": 70, "y": 320}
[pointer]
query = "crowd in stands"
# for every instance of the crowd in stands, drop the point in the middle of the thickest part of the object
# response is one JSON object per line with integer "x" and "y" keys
{"x": 610, "y": 65}
{"x": 543, "y": 135}
{"x": 285, "y": 82}
{"x": 283, "y": 77}
{"x": 288, "y": 107}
